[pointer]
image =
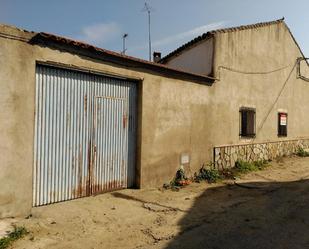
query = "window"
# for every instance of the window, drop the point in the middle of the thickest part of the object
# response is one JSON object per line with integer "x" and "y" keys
{"x": 282, "y": 124}
{"x": 247, "y": 122}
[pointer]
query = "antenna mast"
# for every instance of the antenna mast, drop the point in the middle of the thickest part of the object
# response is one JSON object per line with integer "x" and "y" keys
{"x": 124, "y": 43}
{"x": 148, "y": 9}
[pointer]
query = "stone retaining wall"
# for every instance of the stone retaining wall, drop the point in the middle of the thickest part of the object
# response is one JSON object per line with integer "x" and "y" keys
{"x": 226, "y": 156}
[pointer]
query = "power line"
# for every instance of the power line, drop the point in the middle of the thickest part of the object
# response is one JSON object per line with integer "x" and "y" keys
{"x": 299, "y": 74}
{"x": 263, "y": 73}
{"x": 251, "y": 72}
{"x": 277, "y": 98}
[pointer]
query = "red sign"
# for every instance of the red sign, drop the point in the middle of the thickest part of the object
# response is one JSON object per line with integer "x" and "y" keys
{"x": 283, "y": 119}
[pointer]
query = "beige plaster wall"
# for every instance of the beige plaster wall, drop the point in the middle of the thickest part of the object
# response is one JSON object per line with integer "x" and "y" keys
{"x": 177, "y": 116}
{"x": 255, "y": 68}
{"x": 175, "y": 121}
{"x": 198, "y": 59}
{"x": 16, "y": 127}
{"x": 170, "y": 112}
{"x": 259, "y": 51}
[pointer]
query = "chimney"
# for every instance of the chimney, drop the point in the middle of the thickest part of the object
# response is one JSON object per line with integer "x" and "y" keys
{"x": 156, "y": 57}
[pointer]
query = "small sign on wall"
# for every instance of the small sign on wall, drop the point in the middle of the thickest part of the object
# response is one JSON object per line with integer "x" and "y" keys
{"x": 283, "y": 119}
{"x": 282, "y": 124}
{"x": 184, "y": 158}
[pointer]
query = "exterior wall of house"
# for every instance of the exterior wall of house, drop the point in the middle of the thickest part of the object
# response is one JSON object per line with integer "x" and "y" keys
{"x": 256, "y": 68}
{"x": 172, "y": 114}
{"x": 16, "y": 124}
{"x": 175, "y": 122}
{"x": 198, "y": 59}
{"x": 176, "y": 116}
{"x": 263, "y": 51}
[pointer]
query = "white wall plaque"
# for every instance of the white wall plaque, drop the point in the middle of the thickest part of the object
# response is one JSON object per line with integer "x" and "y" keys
{"x": 185, "y": 159}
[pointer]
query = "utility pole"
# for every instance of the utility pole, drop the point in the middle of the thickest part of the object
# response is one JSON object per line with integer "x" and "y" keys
{"x": 148, "y": 9}
{"x": 124, "y": 43}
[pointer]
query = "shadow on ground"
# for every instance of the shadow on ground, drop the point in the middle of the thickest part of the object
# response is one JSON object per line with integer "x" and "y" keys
{"x": 255, "y": 215}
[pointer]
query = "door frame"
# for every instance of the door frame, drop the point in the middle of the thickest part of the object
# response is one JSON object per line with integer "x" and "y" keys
{"x": 138, "y": 81}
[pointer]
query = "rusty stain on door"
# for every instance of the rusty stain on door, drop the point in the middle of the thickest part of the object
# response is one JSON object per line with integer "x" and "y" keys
{"x": 84, "y": 140}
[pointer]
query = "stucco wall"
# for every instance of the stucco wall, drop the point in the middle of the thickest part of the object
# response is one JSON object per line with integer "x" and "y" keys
{"x": 258, "y": 51}
{"x": 175, "y": 121}
{"x": 255, "y": 68}
{"x": 176, "y": 116}
{"x": 16, "y": 127}
{"x": 198, "y": 59}
{"x": 170, "y": 114}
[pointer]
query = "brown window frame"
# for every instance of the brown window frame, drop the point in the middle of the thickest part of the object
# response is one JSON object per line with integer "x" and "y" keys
{"x": 244, "y": 119}
{"x": 282, "y": 129}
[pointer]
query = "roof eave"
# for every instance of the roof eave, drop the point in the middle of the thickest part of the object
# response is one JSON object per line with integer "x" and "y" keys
{"x": 87, "y": 50}
{"x": 186, "y": 46}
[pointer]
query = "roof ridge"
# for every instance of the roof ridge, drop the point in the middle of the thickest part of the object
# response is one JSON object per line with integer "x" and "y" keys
{"x": 248, "y": 26}
{"x": 210, "y": 33}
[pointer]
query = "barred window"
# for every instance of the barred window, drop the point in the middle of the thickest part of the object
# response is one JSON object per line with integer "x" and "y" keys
{"x": 247, "y": 122}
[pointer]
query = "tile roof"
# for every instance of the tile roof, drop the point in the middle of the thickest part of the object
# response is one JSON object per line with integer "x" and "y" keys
{"x": 125, "y": 60}
{"x": 213, "y": 32}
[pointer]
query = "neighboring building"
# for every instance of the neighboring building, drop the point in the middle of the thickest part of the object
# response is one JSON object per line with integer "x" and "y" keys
{"x": 260, "y": 95}
{"x": 77, "y": 120}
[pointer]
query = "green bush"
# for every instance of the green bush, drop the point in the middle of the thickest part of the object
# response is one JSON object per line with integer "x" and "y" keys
{"x": 260, "y": 165}
{"x": 245, "y": 167}
{"x": 179, "y": 180}
{"x": 210, "y": 175}
{"x": 18, "y": 233}
{"x": 302, "y": 153}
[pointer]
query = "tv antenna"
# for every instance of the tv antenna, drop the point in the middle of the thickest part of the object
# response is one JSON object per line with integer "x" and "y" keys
{"x": 148, "y": 9}
{"x": 125, "y": 35}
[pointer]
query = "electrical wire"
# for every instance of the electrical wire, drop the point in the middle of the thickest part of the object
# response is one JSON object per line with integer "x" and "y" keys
{"x": 297, "y": 63}
{"x": 265, "y": 73}
{"x": 249, "y": 72}
{"x": 300, "y": 76}
{"x": 277, "y": 98}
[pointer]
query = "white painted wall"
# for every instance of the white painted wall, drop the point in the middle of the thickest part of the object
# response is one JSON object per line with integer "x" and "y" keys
{"x": 197, "y": 59}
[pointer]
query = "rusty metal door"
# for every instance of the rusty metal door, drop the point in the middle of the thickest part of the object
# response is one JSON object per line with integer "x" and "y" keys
{"x": 110, "y": 144}
{"x": 85, "y": 129}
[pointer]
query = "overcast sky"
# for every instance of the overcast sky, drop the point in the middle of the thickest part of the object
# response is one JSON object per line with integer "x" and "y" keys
{"x": 174, "y": 22}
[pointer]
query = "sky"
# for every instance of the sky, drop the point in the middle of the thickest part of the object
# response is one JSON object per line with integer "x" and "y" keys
{"x": 173, "y": 22}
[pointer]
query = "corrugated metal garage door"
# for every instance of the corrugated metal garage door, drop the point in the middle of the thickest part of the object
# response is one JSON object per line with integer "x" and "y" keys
{"x": 85, "y": 134}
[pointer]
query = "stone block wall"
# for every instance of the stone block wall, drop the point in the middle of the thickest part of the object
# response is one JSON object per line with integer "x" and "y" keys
{"x": 226, "y": 156}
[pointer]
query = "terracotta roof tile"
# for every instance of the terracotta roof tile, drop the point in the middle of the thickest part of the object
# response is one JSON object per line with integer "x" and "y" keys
{"x": 168, "y": 71}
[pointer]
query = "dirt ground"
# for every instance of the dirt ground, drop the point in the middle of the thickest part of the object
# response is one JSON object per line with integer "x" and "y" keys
{"x": 265, "y": 209}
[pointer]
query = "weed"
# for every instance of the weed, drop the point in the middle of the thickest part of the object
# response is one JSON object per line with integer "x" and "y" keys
{"x": 179, "y": 180}
{"x": 243, "y": 167}
{"x": 229, "y": 173}
{"x": 180, "y": 175}
{"x": 302, "y": 153}
{"x": 210, "y": 175}
{"x": 16, "y": 234}
{"x": 261, "y": 164}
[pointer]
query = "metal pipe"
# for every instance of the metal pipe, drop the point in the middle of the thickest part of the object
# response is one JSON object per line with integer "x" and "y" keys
{"x": 149, "y": 35}
{"x": 124, "y": 43}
